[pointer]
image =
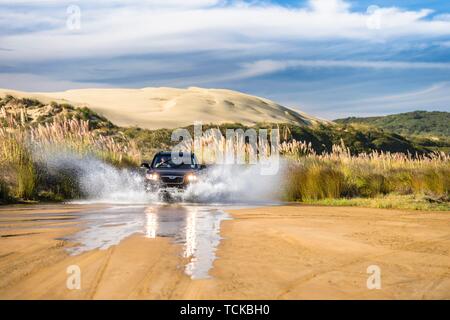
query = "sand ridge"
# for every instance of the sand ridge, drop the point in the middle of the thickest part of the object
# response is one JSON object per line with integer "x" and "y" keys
{"x": 155, "y": 108}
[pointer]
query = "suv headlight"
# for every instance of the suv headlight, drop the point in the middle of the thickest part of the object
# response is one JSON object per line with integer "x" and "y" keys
{"x": 191, "y": 177}
{"x": 152, "y": 176}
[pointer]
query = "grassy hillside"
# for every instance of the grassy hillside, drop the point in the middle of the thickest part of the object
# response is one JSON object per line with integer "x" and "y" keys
{"x": 417, "y": 123}
{"x": 429, "y": 130}
{"x": 357, "y": 139}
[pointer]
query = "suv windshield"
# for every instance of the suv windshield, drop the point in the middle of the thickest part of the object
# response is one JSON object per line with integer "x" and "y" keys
{"x": 165, "y": 161}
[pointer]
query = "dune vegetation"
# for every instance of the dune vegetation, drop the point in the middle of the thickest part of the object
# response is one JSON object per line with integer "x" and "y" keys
{"x": 23, "y": 148}
{"x": 342, "y": 177}
{"x": 376, "y": 179}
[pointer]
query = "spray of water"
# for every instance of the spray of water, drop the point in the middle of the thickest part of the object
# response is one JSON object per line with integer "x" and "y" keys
{"x": 234, "y": 184}
{"x": 100, "y": 182}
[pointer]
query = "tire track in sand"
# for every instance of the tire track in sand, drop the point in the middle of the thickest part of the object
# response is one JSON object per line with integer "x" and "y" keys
{"x": 100, "y": 273}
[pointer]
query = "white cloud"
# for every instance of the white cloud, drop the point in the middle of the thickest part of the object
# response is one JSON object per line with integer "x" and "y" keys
{"x": 148, "y": 27}
{"x": 329, "y": 6}
{"x": 254, "y": 69}
{"x": 219, "y": 42}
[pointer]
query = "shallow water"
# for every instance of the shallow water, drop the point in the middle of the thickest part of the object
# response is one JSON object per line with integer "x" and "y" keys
{"x": 195, "y": 228}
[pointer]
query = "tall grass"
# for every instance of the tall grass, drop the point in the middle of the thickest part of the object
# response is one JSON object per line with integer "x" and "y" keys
{"x": 73, "y": 135}
{"x": 311, "y": 176}
{"x": 23, "y": 149}
{"x": 340, "y": 174}
{"x": 213, "y": 148}
{"x": 16, "y": 162}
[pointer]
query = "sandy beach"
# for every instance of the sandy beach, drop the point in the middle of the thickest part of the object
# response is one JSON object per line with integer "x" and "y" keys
{"x": 278, "y": 252}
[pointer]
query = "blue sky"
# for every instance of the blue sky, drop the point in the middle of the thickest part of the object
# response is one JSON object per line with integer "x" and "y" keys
{"x": 330, "y": 58}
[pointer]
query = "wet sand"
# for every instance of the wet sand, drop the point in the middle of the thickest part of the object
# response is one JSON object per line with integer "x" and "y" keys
{"x": 279, "y": 252}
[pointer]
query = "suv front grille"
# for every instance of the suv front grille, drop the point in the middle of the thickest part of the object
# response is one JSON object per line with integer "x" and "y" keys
{"x": 172, "y": 179}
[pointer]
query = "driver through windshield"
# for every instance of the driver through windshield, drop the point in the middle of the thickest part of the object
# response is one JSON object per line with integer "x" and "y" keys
{"x": 165, "y": 161}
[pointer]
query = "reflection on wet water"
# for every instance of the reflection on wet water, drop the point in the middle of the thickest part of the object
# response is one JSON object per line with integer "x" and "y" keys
{"x": 196, "y": 228}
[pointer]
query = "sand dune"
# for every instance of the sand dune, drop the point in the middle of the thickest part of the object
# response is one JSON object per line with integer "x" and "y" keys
{"x": 154, "y": 108}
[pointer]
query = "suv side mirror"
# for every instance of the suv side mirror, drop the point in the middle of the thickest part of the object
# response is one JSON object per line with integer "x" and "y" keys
{"x": 145, "y": 165}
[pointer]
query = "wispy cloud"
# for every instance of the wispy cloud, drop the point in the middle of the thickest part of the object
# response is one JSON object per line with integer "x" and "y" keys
{"x": 264, "y": 67}
{"x": 149, "y": 27}
{"x": 434, "y": 97}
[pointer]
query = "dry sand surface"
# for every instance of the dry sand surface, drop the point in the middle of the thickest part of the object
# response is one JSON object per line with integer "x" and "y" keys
{"x": 154, "y": 108}
{"x": 281, "y": 252}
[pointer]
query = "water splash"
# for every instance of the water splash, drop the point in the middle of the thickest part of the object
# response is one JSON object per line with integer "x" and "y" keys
{"x": 234, "y": 184}
{"x": 100, "y": 182}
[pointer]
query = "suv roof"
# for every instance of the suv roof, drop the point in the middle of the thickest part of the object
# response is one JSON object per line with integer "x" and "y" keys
{"x": 168, "y": 153}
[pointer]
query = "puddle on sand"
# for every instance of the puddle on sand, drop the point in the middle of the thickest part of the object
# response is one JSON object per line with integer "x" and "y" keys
{"x": 196, "y": 228}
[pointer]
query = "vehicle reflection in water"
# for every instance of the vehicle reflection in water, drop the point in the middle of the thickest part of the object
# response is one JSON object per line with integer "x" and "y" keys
{"x": 196, "y": 228}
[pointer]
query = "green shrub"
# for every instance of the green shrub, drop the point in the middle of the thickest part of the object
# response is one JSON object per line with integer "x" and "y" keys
{"x": 314, "y": 181}
{"x": 371, "y": 185}
{"x": 26, "y": 181}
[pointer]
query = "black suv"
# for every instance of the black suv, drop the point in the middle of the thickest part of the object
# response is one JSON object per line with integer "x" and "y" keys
{"x": 171, "y": 170}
